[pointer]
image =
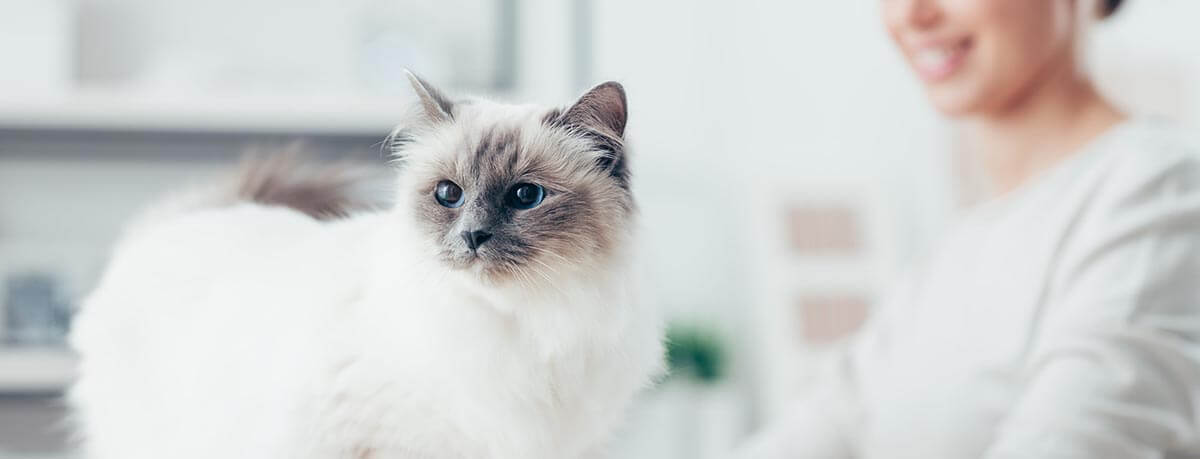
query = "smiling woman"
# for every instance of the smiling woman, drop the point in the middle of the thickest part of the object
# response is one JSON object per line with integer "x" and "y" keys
{"x": 1058, "y": 319}
{"x": 982, "y": 55}
{"x": 1010, "y": 69}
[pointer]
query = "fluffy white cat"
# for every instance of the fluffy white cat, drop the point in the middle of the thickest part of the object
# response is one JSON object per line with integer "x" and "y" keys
{"x": 488, "y": 313}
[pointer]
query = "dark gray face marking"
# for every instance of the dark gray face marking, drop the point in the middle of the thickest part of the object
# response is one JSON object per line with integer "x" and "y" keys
{"x": 573, "y": 219}
{"x": 496, "y": 153}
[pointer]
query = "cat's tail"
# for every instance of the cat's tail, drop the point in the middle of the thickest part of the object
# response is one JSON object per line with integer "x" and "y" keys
{"x": 324, "y": 191}
{"x": 320, "y": 189}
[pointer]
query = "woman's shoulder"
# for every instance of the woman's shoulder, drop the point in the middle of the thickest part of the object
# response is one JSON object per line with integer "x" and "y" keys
{"x": 1146, "y": 187}
{"x": 1150, "y": 162}
{"x": 1140, "y": 219}
{"x": 1152, "y": 151}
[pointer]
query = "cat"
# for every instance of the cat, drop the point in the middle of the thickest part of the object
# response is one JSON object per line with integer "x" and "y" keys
{"x": 489, "y": 312}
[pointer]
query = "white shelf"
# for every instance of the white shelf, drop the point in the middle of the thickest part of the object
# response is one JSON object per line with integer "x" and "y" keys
{"x": 36, "y": 370}
{"x": 140, "y": 112}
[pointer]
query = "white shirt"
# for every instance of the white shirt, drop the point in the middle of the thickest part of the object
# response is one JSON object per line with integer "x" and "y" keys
{"x": 1059, "y": 321}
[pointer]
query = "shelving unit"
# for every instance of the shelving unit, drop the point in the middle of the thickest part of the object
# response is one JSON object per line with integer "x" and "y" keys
{"x": 138, "y": 143}
{"x": 35, "y": 370}
{"x": 98, "y": 110}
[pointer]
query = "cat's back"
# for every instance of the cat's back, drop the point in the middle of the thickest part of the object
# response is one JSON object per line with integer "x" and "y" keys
{"x": 164, "y": 267}
{"x": 200, "y": 327}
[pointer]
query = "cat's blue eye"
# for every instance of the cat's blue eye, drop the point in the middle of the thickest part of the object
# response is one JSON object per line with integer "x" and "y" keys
{"x": 526, "y": 195}
{"x": 448, "y": 194}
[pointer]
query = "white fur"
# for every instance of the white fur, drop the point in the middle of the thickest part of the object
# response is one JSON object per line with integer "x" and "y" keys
{"x": 257, "y": 332}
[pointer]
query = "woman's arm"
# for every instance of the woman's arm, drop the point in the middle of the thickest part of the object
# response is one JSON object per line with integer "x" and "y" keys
{"x": 826, "y": 423}
{"x": 820, "y": 425}
{"x": 1116, "y": 371}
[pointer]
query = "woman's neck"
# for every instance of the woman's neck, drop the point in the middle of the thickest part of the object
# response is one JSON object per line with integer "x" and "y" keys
{"x": 1048, "y": 123}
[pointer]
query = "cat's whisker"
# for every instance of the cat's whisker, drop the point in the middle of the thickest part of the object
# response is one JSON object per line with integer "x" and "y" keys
{"x": 550, "y": 281}
{"x": 548, "y": 267}
{"x": 556, "y": 256}
{"x": 521, "y": 276}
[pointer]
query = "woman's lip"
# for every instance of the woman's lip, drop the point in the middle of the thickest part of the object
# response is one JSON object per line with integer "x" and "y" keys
{"x": 937, "y": 62}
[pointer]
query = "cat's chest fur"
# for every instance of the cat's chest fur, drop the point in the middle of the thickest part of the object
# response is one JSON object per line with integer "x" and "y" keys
{"x": 424, "y": 366}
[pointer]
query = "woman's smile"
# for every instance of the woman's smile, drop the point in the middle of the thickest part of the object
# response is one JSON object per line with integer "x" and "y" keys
{"x": 940, "y": 60}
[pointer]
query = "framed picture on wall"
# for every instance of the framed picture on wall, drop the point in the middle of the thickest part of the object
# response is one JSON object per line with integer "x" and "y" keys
{"x": 818, "y": 268}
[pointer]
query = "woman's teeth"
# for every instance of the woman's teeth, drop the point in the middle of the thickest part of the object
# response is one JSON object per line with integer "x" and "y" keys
{"x": 934, "y": 57}
{"x": 938, "y": 62}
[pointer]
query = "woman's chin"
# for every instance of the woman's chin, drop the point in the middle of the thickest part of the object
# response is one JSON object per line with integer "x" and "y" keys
{"x": 954, "y": 102}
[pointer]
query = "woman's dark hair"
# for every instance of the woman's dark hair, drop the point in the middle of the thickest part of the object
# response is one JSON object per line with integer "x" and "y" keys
{"x": 1110, "y": 7}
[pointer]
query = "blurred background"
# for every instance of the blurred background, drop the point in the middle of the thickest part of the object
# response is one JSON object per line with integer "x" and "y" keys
{"x": 787, "y": 137}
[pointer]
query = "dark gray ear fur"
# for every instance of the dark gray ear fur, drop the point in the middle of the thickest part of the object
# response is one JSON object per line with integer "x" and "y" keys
{"x": 602, "y": 108}
{"x": 600, "y": 115}
{"x": 435, "y": 106}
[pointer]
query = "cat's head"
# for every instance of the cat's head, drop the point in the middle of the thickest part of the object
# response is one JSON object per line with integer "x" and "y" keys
{"x": 516, "y": 193}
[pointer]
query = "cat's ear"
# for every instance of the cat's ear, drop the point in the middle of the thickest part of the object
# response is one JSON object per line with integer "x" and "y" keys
{"x": 434, "y": 105}
{"x": 602, "y": 109}
{"x": 599, "y": 116}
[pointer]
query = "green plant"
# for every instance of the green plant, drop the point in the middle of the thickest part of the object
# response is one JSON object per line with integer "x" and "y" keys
{"x": 695, "y": 352}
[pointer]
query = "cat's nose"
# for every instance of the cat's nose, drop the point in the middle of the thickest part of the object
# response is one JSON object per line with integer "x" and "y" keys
{"x": 475, "y": 238}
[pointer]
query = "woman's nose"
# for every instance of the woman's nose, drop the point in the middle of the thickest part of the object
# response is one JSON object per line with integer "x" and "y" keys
{"x": 913, "y": 13}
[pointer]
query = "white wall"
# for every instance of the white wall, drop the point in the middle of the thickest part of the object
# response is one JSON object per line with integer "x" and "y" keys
{"x": 724, "y": 95}
{"x": 1148, "y": 59}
